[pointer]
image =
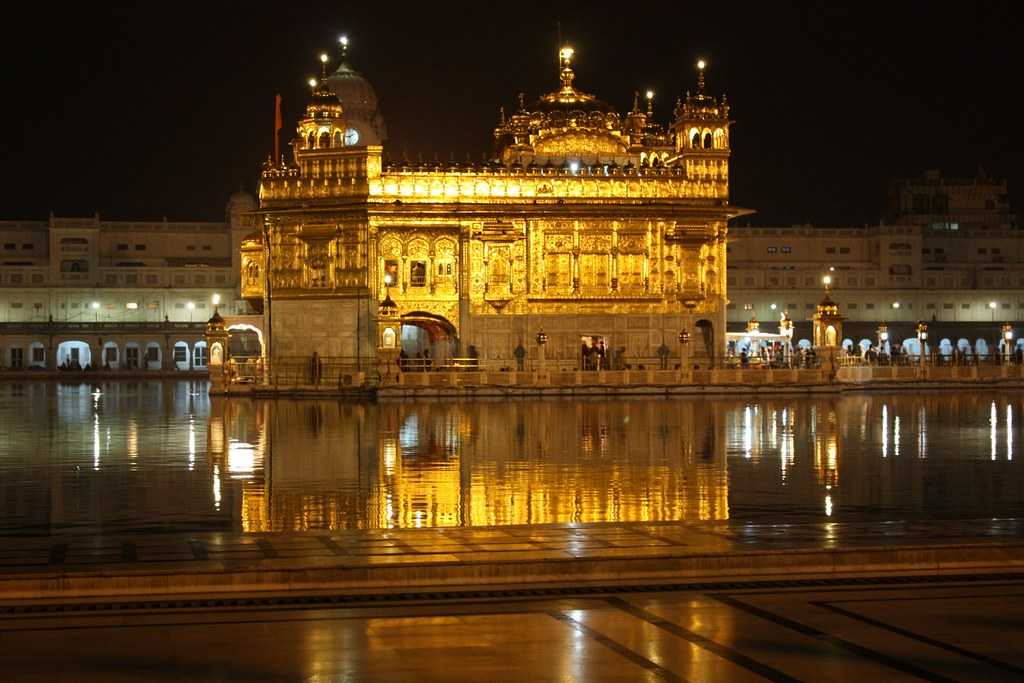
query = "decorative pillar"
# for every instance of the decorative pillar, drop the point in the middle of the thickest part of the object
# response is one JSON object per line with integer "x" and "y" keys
{"x": 1008, "y": 342}
{"x": 542, "y": 340}
{"x": 828, "y": 329}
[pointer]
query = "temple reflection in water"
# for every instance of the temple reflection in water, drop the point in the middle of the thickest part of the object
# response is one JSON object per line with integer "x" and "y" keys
{"x": 344, "y": 465}
{"x": 129, "y": 456}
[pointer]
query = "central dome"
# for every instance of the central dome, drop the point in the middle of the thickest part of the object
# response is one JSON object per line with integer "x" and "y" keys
{"x": 359, "y": 100}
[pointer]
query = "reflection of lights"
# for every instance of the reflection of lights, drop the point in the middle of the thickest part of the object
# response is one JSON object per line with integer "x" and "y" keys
{"x": 133, "y": 438}
{"x": 191, "y": 443}
{"x": 389, "y": 511}
{"x": 96, "y": 442}
{"x": 1009, "y": 432}
{"x": 409, "y": 433}
{"x": 896, "y": 436}
{"x": 241, "y": 459}
{"x": 216, "y": 486}
{"x": 993, "y": 421}
{"x": 922, "y": 433}
{"x": 390, "y": 456}
{"x": 418, "y": 518}
{"x": 748, "y": 432}
{"x": 885, "y": 431}
{"x": 828, "y": 504}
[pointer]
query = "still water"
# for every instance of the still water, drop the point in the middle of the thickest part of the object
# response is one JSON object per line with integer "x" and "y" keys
{"x": 164, "y": 456}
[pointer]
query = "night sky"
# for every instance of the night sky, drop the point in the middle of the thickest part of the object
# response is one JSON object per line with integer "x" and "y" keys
{"x": 166, "y": 109}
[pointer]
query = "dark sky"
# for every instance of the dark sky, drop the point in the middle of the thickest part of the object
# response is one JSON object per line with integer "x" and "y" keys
{"x": 164, "y": 109}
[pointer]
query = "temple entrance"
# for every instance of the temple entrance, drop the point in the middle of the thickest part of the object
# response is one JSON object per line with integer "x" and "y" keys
{"x": 429, "y": 342}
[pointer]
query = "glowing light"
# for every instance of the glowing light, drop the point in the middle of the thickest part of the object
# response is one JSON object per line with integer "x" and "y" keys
{"x": 748, "y": 432}
{"x": 566, "y": 52}
{"x": 343, "y": 40}
{"x": 241, "y": 459}
{"x": 388, "y": 279}
{"x": 191, "y": 305}
{"x": 216, "y": 299}
{"x": 191, "y": 444}
{"x": 991, "y": 304}
{"x": 827, "y": 280}
{"x": 896, "y": 436}
{"x": 828, "y": 505}
{"x": 772, "y": 306}
{"x": 216, "y": 486}
{"x": 895, "y": 304}
{"x": 312, "y": 83}
{"x": 131, "y": 305}
{"x": 323, "y": 57}
{"x": 1009, "y": 432}
{"x": 993, "y": 421}
{"x": 95, "y": 305}
{"x": 885, "y": 431}
{"x": 701, "y": 64}
{"x": 650, "y": 94}
{"x": 574, "y": 166}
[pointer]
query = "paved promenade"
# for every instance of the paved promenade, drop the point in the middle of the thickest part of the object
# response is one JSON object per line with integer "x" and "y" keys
{"x": 450, "y": 559}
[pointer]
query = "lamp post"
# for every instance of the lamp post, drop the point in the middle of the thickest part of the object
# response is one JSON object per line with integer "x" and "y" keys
{"x": 922, "y": 339}
{"x": 786, "y": 329}
{"x": 1007, "y": 341}
{"x": 191, "y": 306}
{"x": 684, "y": 339}
{"x": 542, "y": 340}
{"x": 992, "y": 307}
{"x": 96, "y": 310}
{"x": 883, "y": 338}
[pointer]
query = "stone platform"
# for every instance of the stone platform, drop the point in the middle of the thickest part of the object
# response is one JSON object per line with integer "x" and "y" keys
{"x": 447, "y": 559}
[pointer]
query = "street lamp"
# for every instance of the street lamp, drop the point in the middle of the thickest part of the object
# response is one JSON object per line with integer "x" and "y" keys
{"x": 883, "y": 338}
{"x": 684, "y": 339}
{"x": 992, "y": 307}
{"x": 1007, "y": 340}
{"x": 542, "y": 339}
{"x": 191, "y": 306}
{"x": 96, "y": 308}
{"x": 922, "y": 339}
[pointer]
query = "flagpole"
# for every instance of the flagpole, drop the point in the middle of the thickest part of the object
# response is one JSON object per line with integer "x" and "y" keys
{"x": 277, "y": 130}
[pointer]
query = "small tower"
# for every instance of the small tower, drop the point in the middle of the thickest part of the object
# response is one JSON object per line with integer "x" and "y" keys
{"x": 701, "y": 131}
{"x": 216, "y": 336}
{"x": 389, "y": 337}
{"x": 323, "y": 127}
{"x": 828, "y": 324}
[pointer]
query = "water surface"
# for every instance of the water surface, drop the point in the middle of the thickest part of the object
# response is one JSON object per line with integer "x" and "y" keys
{"x": 163, "y": 456}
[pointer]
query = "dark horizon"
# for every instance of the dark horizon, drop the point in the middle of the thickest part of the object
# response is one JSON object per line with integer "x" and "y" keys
{"x": 140, "y": 118}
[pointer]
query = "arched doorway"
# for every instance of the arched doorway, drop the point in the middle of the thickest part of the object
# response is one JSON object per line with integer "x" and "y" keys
{"x": 73, "y": 355}
{"x": 246, "y": 341}
{"x": 428, "y": 341}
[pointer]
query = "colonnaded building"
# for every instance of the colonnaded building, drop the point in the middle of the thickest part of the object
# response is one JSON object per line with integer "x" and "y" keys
{"x": 588, "y": 225}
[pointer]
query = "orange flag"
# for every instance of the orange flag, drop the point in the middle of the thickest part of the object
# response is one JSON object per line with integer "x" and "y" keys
{"x": 277, "y": 129}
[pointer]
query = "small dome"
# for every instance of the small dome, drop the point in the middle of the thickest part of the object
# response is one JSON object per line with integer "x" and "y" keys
{"x": 215, "y": 323}
{"x": 388, "y": 308}
{"x": 359, "y": 99}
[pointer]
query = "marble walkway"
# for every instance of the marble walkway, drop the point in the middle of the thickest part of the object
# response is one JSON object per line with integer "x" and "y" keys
{"x": 382, "y": 560}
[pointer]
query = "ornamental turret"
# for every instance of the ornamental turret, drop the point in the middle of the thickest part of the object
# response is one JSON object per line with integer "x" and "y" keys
{"x": 324, "y": 124}
{"x": 701, "y": 129}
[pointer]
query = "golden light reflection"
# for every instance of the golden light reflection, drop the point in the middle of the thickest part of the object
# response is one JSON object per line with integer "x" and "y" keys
{"x": 993, "y": 421}
{"x": 410, "y": 466}
{"x": 885, "y": 431}
{"x": 133, "y": 438}
{"x": 1009, "y": 432}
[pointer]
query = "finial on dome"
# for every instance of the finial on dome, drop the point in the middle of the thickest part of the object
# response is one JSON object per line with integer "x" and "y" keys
{"x": 565, "y": 67}
{"x": 343, "y": 42}
{"x": 701, "y": 65}
{"x": 522, "y": 101}
{"x": 650, "y": 102}
{"x": 323, "y": 66}
{"x": 501, "y": 115}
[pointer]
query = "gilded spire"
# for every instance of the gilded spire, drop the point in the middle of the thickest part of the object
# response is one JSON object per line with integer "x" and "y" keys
{"x": 565, "y": 67}
{"x": 323, "y": 66}
{"x": 701, "y": 64}
{"x": 343, "y": 42}
{"x": 650, "y": 103}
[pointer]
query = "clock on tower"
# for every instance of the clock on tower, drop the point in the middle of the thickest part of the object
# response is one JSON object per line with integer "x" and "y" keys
{"x": 351, "y": 136}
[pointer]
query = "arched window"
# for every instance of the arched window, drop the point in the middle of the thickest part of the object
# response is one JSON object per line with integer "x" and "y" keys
{"x": 695, "y": 141}
{"x": 707, "y": 141}
{"x": 325, "y": 140}
{"x": 719, "y": 138}
{"x": 338, "y": 139}
{"x": 312, "y": 141}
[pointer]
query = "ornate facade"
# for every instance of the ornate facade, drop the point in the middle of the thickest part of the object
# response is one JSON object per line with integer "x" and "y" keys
{"x": 585, "y": 224}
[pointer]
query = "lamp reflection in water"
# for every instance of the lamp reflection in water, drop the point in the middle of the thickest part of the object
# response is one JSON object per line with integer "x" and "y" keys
{"x": 1009, "y": 432}
{"x": 922, "y": 432}
{"x": 885, "y": 430}
{"x": 993, "y": 421}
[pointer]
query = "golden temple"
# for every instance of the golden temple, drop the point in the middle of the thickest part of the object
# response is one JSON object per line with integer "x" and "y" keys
{"x": 585, "y": 224}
